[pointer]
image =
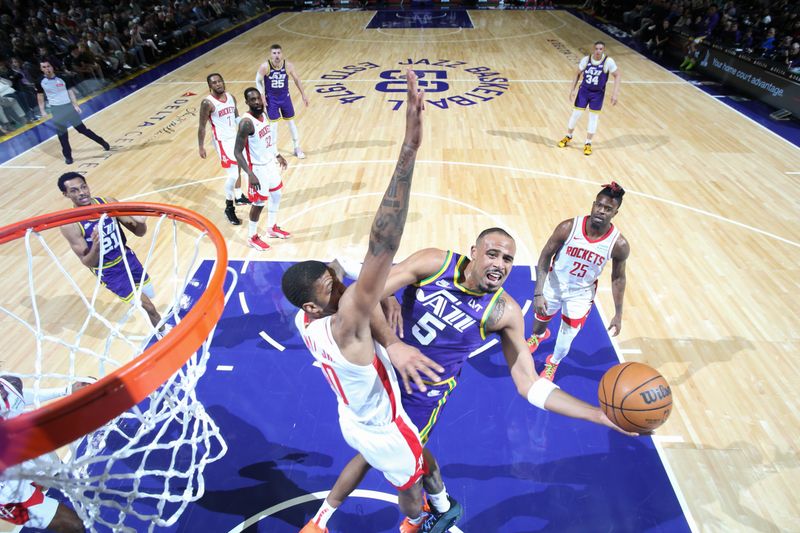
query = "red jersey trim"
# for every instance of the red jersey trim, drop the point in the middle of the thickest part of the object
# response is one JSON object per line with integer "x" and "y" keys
{"x": 583, "y": 230}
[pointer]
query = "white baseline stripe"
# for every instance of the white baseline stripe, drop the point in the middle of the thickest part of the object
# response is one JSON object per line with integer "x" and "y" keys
{"x": 243, "y": 303}
{"x": 224, "y": 368}
{"x": 668, "y": 438}
{"x": 450, "y": 80}
{"x": 483, "y": 348}
{"x": 272, "y": 341}
{"x": 300, "y": 500}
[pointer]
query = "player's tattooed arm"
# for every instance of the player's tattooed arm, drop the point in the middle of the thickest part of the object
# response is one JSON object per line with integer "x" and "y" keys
{"x": 497, "y": 314}
{"x": 205, "y": 112}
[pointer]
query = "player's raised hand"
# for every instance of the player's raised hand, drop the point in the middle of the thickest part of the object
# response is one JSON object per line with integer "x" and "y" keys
{"x": 409, "y": 363}
{"x": 415, "y": 100}
{"x": 394, "y": 315}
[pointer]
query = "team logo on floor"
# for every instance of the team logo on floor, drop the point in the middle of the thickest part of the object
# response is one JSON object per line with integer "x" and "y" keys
{"x": 444, "y": 81}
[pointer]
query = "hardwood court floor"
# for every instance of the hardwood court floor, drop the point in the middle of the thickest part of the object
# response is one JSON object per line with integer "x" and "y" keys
{"x": 711, "y": 211}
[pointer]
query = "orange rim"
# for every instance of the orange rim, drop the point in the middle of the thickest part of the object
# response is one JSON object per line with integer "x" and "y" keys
{"x": 67, "y": 419}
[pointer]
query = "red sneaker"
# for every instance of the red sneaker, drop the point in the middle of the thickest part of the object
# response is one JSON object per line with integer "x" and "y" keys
{"x": 276, "y": 232}
{"x": 311, "y": 527}
{"x": 535, "y": 340}
{"x": 256, "y": 242}
{"x": 549, "y": 372}
{"x": 408, "y": 527}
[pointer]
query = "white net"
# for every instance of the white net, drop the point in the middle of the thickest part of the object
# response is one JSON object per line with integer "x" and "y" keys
{"x": 141, "y": 469}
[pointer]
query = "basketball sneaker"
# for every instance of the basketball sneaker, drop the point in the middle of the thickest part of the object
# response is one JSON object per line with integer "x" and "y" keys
{"x": 587, "y": 149}
{"x": 299, "y": 153}
{"x": 242, "y": 200}
{"x": 256, "y": 242}
{"x": 564, "y": 142}
{"x": 535, "y": 340}
{"x": 549, "y": 372}
{"x": 407, "y": 527}
{"x": 275, "y": 232}
{"x": 311, "y": 527}
{"x": 230, "y": 212}
{"x": 441, "y": 522}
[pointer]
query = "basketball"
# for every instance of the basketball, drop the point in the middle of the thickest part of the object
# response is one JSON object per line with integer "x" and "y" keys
{"x": 635, "y": 397}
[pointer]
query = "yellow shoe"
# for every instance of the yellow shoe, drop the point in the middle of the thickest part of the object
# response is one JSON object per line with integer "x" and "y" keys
{"x": 564, "y": 142}
{"x": 587, "y": 149}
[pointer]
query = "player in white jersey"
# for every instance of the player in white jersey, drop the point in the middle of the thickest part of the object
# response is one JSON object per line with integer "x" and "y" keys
{"x": 582, "y": 246}
{"x": 219, "y": 109}
{"x": 23, "y": 502}
{"x": 335, "y": 323}
{"x": 258, "y": 156}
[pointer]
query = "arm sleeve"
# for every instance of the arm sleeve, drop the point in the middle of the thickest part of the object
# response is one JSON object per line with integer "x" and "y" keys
{"x": 44, "y": 394}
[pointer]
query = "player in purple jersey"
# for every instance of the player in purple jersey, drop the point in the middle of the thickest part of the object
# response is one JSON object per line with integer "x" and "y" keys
{"x": 87, "y": 237}
{"x": 272, "y": 80}
{"x": 451, "y": 303}
{"x": 592, "y": 74}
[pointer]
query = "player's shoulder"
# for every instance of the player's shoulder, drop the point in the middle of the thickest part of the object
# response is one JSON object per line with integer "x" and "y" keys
{"x": 622, "y": 247}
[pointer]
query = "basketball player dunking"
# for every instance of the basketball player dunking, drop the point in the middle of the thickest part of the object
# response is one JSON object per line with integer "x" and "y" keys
{"x": 219, "y": 108}
{"x": 592, "y": 74}
{"x": 334, "y": 322}
{"x": 272, "y": 80}
{"x": 567, "y": 282}
{"x": 257, "y": 154}
{"x": 450, "y": 304}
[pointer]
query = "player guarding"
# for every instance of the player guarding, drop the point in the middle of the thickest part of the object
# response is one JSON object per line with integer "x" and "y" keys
{"x": 219, "y": 109}
{"x": 592, "y": 74}
{"x": 90, "y": 241}
{"x": 272, "y": 80}
{"x": 334, "y": 322}
{"x": 582, "y": 246}
{"x": 258, "y": 155}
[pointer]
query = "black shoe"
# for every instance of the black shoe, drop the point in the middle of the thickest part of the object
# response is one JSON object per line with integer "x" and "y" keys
{"x": 106, "y": 146}
{"x": 68, "y": 160}
{"x": 441, "y": 522}
{"x": 242, "y": 200}
{"x": 231, "y": 214}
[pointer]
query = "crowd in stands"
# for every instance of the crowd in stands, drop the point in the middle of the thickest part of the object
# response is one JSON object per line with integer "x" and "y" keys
{"x": 765, "y": 30}
{"x": 92, "y": 43}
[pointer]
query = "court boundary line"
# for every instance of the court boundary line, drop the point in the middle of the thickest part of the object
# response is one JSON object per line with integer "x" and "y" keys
{"x": 552, "y": 175}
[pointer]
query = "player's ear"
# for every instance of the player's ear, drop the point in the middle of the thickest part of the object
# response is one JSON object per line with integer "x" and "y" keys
{"x": 311, "y": 308}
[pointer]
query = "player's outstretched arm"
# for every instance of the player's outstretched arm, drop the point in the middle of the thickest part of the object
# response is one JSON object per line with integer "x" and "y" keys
{"x": 389, "y": 222}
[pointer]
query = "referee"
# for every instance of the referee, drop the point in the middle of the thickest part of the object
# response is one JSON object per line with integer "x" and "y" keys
{"x": 65, "y": 109}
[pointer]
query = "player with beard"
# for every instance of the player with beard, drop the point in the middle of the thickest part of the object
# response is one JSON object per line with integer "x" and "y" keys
{"x": 450, "y": 304}
{"x": 567, "y": 272}
{"x": 257, "y": 154}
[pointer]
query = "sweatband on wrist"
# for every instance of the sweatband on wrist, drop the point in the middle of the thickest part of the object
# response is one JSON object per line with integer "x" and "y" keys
{"x": 540, "y": 391}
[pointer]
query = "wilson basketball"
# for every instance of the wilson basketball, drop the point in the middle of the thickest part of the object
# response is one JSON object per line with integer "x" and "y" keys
{"x": 635, "y": 397}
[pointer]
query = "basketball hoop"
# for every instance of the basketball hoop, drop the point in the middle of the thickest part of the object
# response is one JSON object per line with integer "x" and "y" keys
{"x": 146, "y": 404}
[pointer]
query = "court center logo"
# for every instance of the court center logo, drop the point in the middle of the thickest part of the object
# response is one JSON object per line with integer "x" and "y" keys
{"x": 442, "y": 80}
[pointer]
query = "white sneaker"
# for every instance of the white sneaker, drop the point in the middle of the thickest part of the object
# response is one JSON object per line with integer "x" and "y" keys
{"x": 299, "y": 153}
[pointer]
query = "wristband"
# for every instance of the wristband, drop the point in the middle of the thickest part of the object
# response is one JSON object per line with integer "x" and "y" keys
{"x": 540, "y": 391}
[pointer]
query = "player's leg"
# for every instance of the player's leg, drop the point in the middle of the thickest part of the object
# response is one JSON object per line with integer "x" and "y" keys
{"x": 287, "y": 112}
{"x": 581, "y": 101}
{"x": 275, "y": 183}
{"x": 349, "y": 479}
{"x": 595, "y": 106}
{"x": 66, "y": 149}
{"x": 258, "y": 199}
{"x": 540, "y": 322}
{"x": 83, "y": 130}
{"x": 150, "y": 309}
{"x": 231, "y": 177}
{"x": 574, "y": 312}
